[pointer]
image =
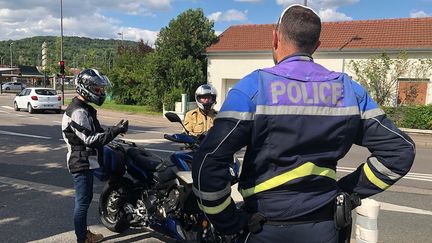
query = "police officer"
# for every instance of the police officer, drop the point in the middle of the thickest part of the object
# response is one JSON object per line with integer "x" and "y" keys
{"x": 200, "y": 120}
{"x": 296, "y": 119}
{"x": 85, "y": 138}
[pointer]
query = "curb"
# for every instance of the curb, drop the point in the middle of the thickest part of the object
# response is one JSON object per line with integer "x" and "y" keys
{"x": 421, "y": 138}
{"x": 417, "y": 131}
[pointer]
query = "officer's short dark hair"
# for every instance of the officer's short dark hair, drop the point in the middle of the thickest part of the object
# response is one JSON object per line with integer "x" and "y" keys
{"x": 301, "y": 25}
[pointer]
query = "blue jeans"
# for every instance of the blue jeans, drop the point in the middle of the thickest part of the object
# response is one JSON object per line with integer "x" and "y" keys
{"x": 83, "y": 183}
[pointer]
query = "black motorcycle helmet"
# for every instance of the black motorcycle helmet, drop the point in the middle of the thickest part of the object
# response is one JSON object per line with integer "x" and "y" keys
{"x": 91, "y": 85}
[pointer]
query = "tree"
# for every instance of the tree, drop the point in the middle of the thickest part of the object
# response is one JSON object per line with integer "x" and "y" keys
{"x": 130, "y": 75}
{"x": 179, "y": 59}
{"x": 380, "y": 75}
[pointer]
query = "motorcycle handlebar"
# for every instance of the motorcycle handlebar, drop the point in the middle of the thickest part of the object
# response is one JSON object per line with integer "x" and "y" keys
{"x": 119, "y": 141}
{"x": 181, "y": 138}
{"x": 170, "y": 138}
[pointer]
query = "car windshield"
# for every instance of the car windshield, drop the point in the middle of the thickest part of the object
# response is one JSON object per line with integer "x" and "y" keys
{"x": 45, "y": 92}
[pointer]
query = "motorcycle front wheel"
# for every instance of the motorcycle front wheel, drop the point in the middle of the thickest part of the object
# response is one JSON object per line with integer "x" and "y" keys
{"x": 111, "y": 208}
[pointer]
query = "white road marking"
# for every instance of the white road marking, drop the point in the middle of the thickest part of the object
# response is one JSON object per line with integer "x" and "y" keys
{"x": 7, "y": 107}
{"x": 8, "y": 220}
{"x": 60, "y": 147}
{"x": 23, "y": 135}
{"x": 146, "y": 131}
{"x": 403, "y": 209}
{"x": 55, "y": 190}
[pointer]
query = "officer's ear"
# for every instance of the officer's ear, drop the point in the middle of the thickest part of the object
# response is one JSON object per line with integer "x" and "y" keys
{"x": 275, "y": 40}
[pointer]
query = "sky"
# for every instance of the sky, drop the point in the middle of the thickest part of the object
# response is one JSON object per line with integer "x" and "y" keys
{"x": 142, "y": 19}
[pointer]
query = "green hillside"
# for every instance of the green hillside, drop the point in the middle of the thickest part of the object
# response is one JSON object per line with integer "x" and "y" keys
{"x": 77, "y": 51}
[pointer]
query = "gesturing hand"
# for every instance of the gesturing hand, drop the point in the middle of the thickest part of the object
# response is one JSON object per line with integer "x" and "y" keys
{"x": 122, "y": 126}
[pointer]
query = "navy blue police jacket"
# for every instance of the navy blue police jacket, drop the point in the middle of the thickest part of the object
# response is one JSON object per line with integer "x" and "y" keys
{"x": 296, "y": 120}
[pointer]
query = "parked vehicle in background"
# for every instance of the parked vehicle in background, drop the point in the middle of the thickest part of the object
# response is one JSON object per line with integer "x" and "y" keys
{"x": 34, "y": 99}
{"x": 13, "y": 86}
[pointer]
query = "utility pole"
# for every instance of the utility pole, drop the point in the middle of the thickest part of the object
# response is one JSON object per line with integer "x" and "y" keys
{"x": 61, "y": 47}
{"x": 120, "y": 33}
{"x": 10, "y": 49}
{"x": 11, "y": 58}
{"x": 305, "y": 2}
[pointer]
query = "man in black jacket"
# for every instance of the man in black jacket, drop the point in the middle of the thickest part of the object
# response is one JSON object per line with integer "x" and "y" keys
{"x": 85, "y": 139}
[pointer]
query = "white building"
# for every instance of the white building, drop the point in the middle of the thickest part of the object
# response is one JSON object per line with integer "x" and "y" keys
{"x": 244, "y": 48}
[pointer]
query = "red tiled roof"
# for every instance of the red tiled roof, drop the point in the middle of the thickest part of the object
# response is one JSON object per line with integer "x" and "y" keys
{"x": 407, "y": 33}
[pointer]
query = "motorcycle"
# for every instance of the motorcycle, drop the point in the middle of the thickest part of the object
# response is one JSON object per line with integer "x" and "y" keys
{"x": 143, "y": 190}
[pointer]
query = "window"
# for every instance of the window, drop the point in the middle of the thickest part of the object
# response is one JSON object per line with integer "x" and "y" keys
{"x": 412, "y": 91}
{"x": 45, "y": 92}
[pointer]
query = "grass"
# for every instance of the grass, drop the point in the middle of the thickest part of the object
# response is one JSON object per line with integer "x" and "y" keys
{"x": 111, "y": 105}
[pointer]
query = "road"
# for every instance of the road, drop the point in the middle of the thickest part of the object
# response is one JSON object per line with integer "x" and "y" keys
{"x": 36, "y": 189}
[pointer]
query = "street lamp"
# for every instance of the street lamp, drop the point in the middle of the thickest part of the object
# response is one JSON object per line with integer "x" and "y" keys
{"x": 120, "y": 33}
{"x": 354, "y": 38}
{"x": 10, "y": 48}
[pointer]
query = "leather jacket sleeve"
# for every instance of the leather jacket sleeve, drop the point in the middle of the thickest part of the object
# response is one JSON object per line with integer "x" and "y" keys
{"x": 82, "y": 124}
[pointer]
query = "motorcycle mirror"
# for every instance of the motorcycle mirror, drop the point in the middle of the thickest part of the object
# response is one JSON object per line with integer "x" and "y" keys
{"x": 173, "y": 117}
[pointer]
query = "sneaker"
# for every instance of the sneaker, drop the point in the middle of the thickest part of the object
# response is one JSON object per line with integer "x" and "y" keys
{"x": 93, "y": 238}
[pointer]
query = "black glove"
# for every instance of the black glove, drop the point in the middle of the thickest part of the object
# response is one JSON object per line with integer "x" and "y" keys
{"x": 121, "y": 127}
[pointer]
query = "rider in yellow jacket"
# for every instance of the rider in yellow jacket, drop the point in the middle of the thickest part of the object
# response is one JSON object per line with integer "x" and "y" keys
{"x": 200, "y": 120}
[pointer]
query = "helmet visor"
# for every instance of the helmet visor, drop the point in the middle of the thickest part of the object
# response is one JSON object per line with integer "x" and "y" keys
{"x": 105, "y": 81}
{"x": 101, "y": 84}
{"x": 206, "y": 98}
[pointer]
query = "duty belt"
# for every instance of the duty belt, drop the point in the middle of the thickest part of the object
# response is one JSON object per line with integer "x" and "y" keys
{"x": 322, "y": 214}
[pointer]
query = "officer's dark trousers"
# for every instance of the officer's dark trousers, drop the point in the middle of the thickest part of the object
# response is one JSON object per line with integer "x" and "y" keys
{"x": 322, "y": 232}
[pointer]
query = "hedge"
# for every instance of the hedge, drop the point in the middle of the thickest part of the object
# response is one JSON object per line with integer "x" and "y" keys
{"x": 416, "y": 117}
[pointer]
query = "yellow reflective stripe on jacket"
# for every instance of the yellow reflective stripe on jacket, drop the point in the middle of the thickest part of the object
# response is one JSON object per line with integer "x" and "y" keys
{"x": 216, "y": 209}
{"x": 306, "y": 169}
{"x": 372, "y": 178}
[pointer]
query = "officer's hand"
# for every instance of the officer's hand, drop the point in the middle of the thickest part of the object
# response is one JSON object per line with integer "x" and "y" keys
{"x": 122, "y": 127}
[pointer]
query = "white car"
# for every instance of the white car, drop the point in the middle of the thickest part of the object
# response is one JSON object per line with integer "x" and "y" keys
{"x": 13, "y": 86}
{"x": 38, "y": 99}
